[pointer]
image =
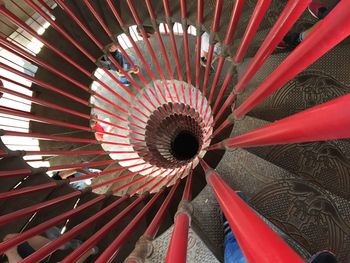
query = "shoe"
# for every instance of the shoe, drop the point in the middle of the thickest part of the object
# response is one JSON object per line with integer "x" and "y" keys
{"x": 95, "y": 250}
{"x": 315, "y": 8}
{"x": 135, "y": 70}
{"x": 290, "y": 41}
{"x": 124, "y": 81}
{"x": 225, "y": 223}
{"x": 282, "y": 45}
{"x": 203, "y": 62}
{"x": 323, "y": 257}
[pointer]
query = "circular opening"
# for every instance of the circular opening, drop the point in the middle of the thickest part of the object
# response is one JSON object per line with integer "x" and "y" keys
{"x": 185, "y": 146}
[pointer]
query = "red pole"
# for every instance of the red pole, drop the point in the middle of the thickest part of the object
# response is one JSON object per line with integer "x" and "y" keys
{"x": 172, "y": 37}
{"x": 253, "y": 25}
{"x": 173, "y": 45}
{"x": 214, "y": 28}
{"x": 80, "y": 165}
{"x": 167, "y": 176}
{"x": 177, "y": 250}
{"x": 54, "y": 245}
{"x": 333, "y": 122}
{"x": 162, "y": 46}
{"x": 199, "y": 22}
{"x": 25, "y": 171}
{"x": 225, "y": 84}
{"x": 329, "y": 32}
{"x": 185, "y": 39}
{"x": 42, "y": 2}
{"x": 43, "y": 84}
{"x": 153, "y": 227}
{"x": 42, "y": 102}
{"x": 148, "y": 44}
{"x": 68, "y": 153}
{"x": 286, "y": 20}
{"x": 5, "y": 245}
{"x": 20, "y": 33}
{"x": 5, "y": 219}
{"x": 257, "y": 240}
{"x": 137, "y": 50}
{"x": 91, "y": 36}
{"x": 30, "y": 116}
{"x": 223, "y": 125}
{"x": 27, "y": 190}
{"x": 59, "y": 138}
{"x": 92, "y": 59}
{"x": 231, "y": 29}
{"x": 14, "y": 19}
{"x": 76, "y": 254}
{"x": 112, "y": 250}
{"x": 133, "y": 182}
{"x": 54, "y": 89}
{"x": 48, "y": 137}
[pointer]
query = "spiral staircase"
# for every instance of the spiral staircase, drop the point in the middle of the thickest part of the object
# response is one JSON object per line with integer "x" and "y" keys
{"x": 272, "y": 122}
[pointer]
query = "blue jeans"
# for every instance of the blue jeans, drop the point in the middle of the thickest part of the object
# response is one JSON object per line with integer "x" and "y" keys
{"x": 232, "y": 251}
{"x": 125, "y": 64}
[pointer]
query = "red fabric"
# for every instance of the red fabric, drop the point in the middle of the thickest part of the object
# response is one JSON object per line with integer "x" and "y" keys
{"x": 98, "y": 128}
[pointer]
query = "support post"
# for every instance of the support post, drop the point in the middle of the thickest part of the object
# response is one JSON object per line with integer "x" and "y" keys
{"x": 256, "y": 239}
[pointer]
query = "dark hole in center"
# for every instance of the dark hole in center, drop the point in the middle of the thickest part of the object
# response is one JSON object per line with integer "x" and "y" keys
{"x": 185, "y": 146}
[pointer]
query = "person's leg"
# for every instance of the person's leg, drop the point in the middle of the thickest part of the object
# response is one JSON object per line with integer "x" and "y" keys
{"x": 323, "y": 257}
{"x": 232, "y": 252}
{"x": 127, "y": 66}
{"x": 13, "y": 256}
{"x": 85, "y": 256}
{"x": 292, "y": 40}
{"x": 38, "y": 242}
{"x": 324, "y": 11}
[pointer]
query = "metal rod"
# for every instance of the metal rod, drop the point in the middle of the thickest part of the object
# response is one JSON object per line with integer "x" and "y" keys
{"x": 148, "y": 44}
{"x": 231, "y": 29}
{"x": 107, "y": 228}
{"x": 177, "y": 250}
{"x": 333, "y": 120}
{"x": 257, "y": 240}
{"x": 10, "y": 217}
{"x": 14, "y": 19}
{"x": 286, "y": 20}
{"x": 24, "y": 171}
{"x": 330, "y": 31}
{"x": 44, "y": 251}
{"x": 45, "y": 5}
{"x": 137, "y": 50}
{"x": 27, "y": 190}
{"x": 76, "y": 44}
{"x": 112, "y": 250}
{"x": 43, "y": 84}
{"x": 36, "y": 230}
{"x": 230, "y": 99}
{"x": 214, "y": 28}
{"x": 173, "y": 45}
{"x": 253, "y": 25}
{"x": 225, "y": 84}
{"x": 162, "y": 46}
{"x": 199, "y": 21}
{"x": 153, "y": 227}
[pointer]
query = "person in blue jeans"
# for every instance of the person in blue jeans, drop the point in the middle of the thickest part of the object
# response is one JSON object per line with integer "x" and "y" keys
{"x": 122, "y": 61}
{"x": 232, "y": 251}
{"x": 234, "y": 254}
